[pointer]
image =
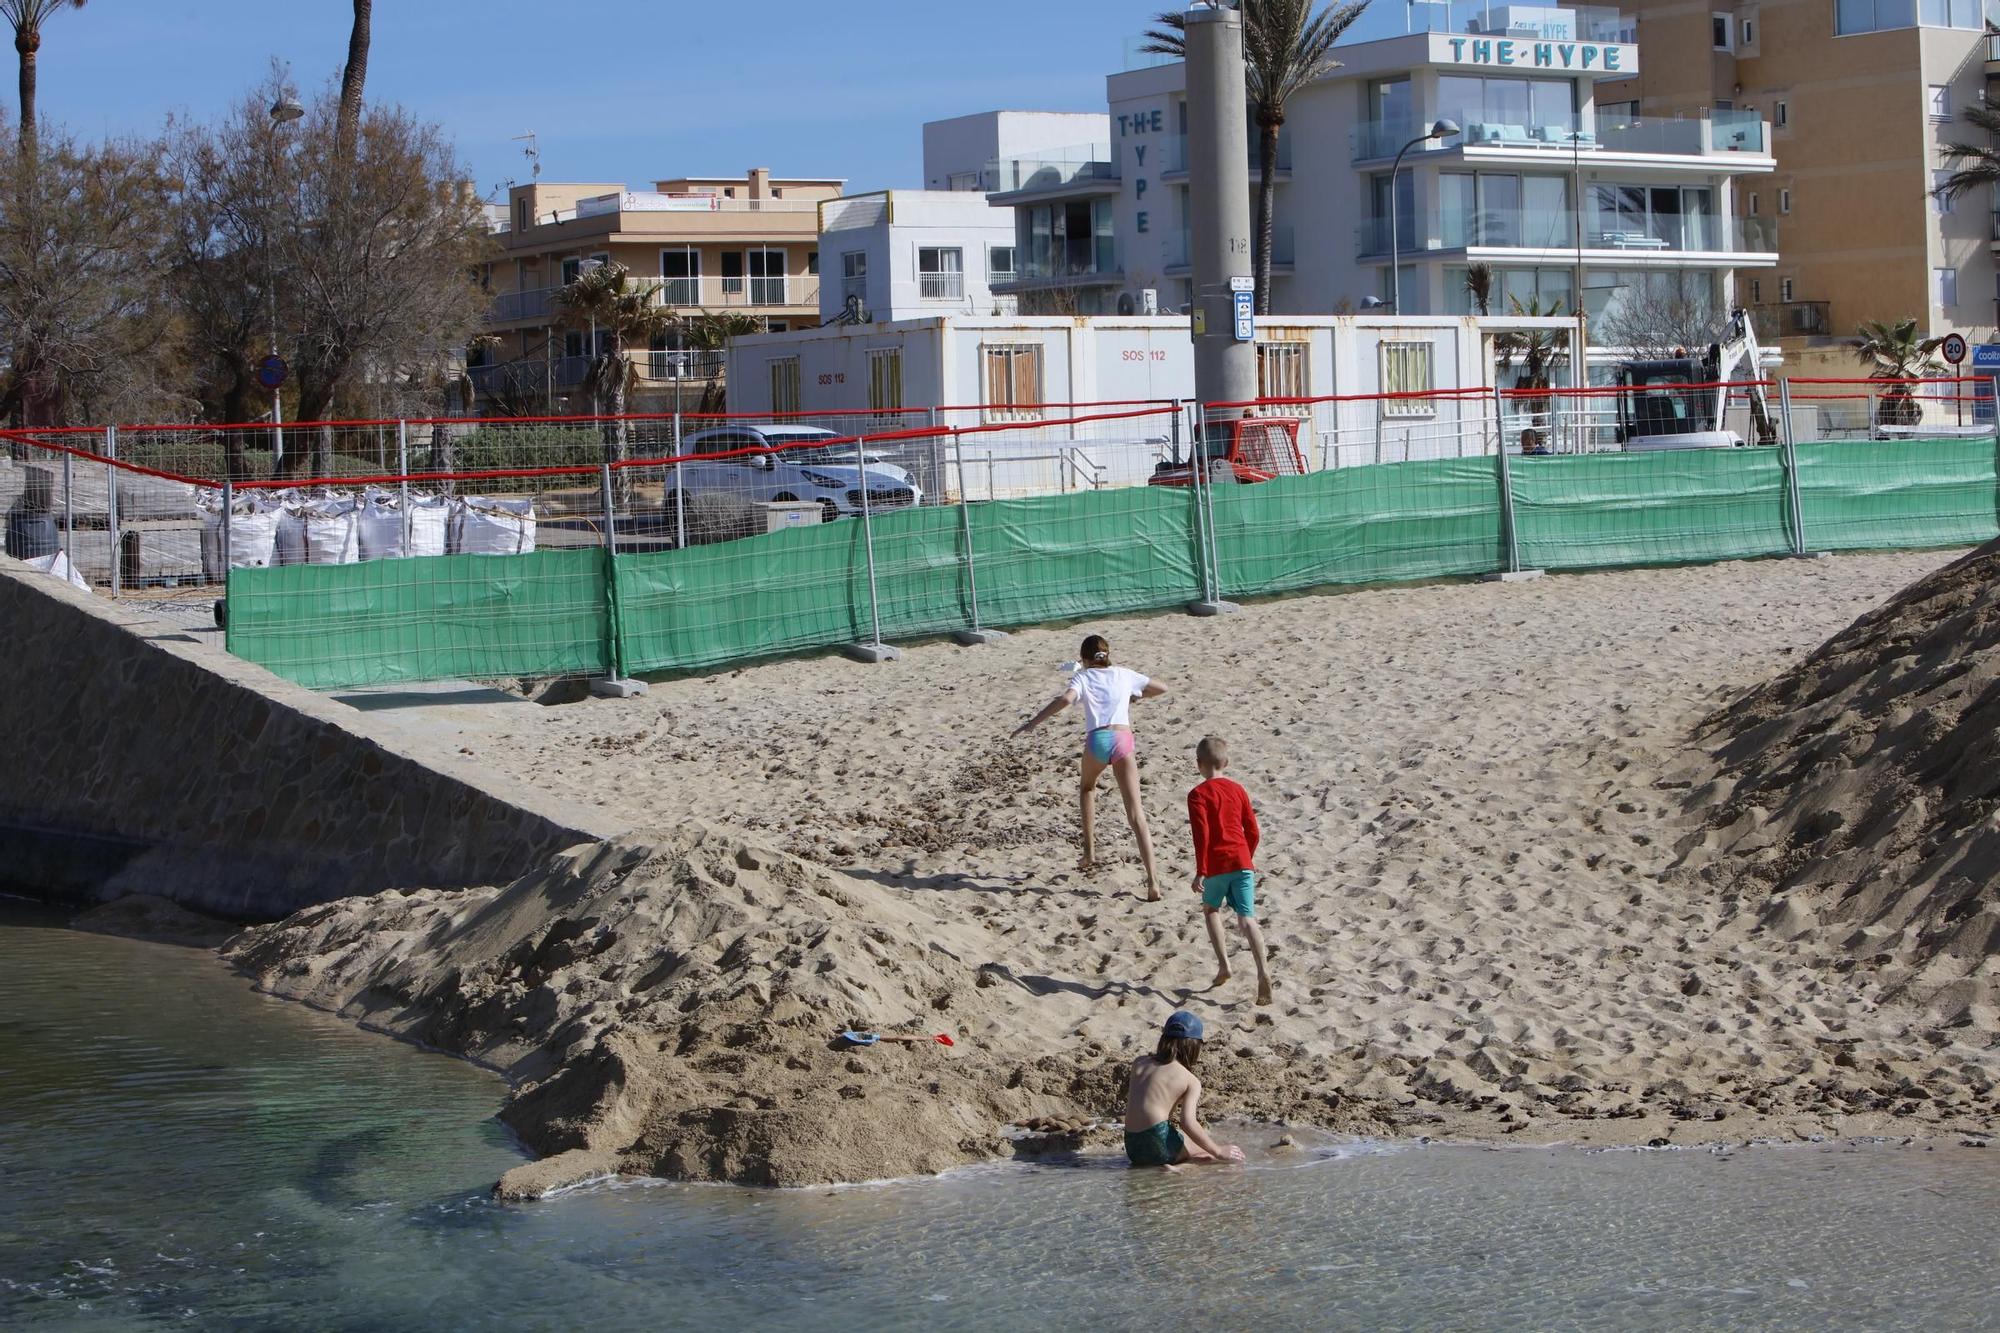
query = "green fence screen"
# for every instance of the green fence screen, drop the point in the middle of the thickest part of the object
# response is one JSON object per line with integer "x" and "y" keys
{"x": 1680, "y": 506}
{"x": 1061, "y": 557}
{"x": 1858, "y": 494}
{"x": 438, "y": 618}
{"x": 1395, "y": 521}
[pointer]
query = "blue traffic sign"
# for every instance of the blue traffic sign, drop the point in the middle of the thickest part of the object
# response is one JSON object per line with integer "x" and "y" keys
{"x": 1246, "y": 316}
{"x": 1986, "y": 356}
{"x": 271, "y": 371}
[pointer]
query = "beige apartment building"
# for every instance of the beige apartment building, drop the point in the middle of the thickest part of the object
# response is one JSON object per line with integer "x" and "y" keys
{"x": 1859, "y": 94}
{"x": 747, "y": 245}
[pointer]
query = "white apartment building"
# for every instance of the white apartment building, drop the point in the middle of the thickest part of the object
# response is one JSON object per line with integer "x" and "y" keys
{"x": 1538, "y": 183}
{"x": 958, "y": 153}
{"x": 907, "y": 254}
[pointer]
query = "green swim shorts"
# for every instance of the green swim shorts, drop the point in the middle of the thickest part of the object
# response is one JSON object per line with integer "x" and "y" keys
{"x": 1238, "y": 888}
{"x": 1159, "y": 1146}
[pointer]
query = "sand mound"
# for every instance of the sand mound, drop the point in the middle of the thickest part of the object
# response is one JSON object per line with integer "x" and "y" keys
{"x": 669, "y": 1004}
{"x": 1860, "y": 793}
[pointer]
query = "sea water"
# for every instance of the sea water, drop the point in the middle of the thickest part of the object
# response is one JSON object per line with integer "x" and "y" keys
{"x": 177, "y": 1151}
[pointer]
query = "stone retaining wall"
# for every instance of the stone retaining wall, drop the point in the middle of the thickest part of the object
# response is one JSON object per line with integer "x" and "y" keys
{"x": 142, "y": 761}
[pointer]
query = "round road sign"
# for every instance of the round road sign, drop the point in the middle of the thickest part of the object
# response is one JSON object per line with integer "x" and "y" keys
{"x": 271, "y": 371}
{"x": 1953, "y": 347}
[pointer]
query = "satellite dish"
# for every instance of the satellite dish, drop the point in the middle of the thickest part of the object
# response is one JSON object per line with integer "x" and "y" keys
{"x": 1125, "y": 306}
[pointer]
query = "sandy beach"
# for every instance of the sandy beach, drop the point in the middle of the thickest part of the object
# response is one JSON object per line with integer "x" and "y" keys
{"x": 1475, "y": 799}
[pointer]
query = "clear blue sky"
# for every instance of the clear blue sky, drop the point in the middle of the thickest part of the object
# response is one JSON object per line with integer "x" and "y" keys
{"x": 620, "y": 90}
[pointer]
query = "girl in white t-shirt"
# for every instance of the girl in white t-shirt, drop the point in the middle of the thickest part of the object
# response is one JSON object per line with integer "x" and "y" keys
{"x": 1106, "y": 693}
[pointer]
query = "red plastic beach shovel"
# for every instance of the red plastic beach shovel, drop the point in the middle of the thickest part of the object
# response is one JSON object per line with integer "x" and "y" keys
{"x": 870, "y": 1038}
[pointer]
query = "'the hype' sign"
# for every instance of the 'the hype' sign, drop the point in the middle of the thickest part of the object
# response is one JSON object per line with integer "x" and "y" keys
{"x": 1524, "y": 53}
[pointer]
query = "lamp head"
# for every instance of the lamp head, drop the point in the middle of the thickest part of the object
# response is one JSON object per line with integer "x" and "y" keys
{"x": 286, "y": 109}
{"x": 1443, "y": 129}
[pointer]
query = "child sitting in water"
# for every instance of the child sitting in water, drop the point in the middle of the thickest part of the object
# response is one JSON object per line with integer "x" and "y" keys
{"x": 1160, "y": 1082}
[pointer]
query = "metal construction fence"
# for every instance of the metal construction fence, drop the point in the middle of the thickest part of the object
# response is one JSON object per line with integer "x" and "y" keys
{"x": 768, "y": 535}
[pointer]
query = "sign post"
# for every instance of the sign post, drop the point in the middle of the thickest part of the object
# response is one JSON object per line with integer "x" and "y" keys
{"x": 271, "y": 373}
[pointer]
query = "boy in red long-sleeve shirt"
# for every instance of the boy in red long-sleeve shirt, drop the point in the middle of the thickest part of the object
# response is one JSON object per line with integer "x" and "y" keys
{"x": 1225, "y": 841}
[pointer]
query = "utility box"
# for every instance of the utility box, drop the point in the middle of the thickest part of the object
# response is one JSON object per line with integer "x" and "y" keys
{"x": 782, "y": 514}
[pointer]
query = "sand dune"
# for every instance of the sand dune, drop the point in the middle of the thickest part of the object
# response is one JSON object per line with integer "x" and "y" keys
{"x": 1473, "y": 797}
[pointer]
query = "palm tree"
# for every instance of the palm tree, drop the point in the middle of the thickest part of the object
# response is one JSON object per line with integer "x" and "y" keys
{"x": 604, "y": 299}
{"x": 1895, "y": 352}
{"x": 1535, "y": 349}
{"x": 1286, "y": 46}
{"x": 1976, "y": 165}
{"x": 1479, "y": 286}
{"x": 710, "y": 331}
{"x": 347, "y": 128}
{"x": 27, "y": 16}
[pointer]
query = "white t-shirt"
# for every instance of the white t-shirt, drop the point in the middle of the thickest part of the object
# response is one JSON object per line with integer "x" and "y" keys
{"x": 1106, "y": 694}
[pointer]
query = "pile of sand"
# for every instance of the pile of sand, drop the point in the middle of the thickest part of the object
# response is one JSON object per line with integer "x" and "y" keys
{"x": 1859, "y": 795}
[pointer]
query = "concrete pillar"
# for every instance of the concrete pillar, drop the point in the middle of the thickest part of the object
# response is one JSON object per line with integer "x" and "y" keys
{"x": 1225, "y": 370}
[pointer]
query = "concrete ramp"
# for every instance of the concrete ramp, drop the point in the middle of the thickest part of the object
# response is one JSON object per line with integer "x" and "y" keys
{"x": 141, "y": 761}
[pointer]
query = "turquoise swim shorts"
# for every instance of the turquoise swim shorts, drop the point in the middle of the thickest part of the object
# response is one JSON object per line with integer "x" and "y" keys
{"x": 1238, "y": 888}
{"x": 1159, "y": 1146}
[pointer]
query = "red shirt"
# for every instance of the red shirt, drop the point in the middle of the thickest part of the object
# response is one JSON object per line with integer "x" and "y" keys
{"x": 1225, "y": 827}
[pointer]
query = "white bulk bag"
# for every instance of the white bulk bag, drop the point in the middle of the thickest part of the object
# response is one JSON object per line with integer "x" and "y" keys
{"x": 429, "y": 531}
{"x": 487, "y": 526}
{"x": 289, "y": 546}
{"x": 58, "y": 565}
{"x": 379, "y": 526}
{"x": 253, "y": 537}
{"x": 332, "y": 532}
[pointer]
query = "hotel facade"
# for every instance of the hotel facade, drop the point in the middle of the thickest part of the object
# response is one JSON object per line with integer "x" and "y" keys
{"x": 1540, "y": 183}
{"x": 1860, "y": 95}
{"x": 747, "y": 245}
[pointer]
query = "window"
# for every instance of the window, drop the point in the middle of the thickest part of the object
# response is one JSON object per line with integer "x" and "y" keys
{"x": 1719, "y": 25}
{"x": 680, "y": 276}
{"x": 1752, "y": 210}
{"x": 732, "y": 273}
{"x": 1281, "y": 373}
{"x": 1781, "y": 114}
{"x": 1939, "y": 100}
{"x": 1784, "y": 289}
{"x": 571, "y": 268}
{"x": 854, "y": 276}
{"x": 767, "y": 276}
{"x": 1944, "y": 281}
{"x": 1858, "y": 16}
{"x": 1784, "y": 201}
{"x": 1749, "y": 32}
{"x": 885, "y": 379}
{"x": 999, "y": 263}
{"x": 1505, "y": 110}
{"x": 1406, "y": 368}
{"x": 812, "y": 262}
{"x": 785, "y": 384}
{"x": 1949, "y": 14}
{"x": 940, "y": 273}
{"x": 1941, "y": 202}
{"x": 1756, "y": 291}
{"x": 521, "y": 217}
{"x": 1011, "y": 379}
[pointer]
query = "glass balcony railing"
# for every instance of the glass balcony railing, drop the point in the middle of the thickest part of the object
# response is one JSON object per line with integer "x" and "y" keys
{"x": 1588, "y": 23}
{"x": 1053, "y": 169}
{"x": 1715, "y": 133}
{"x": 1556, "y": 229}
{"x": 1094, "y": 257}
{"x": 1792, "y": 319}
{"x": 1993, "y": 47}
{"x": 1176, "y": 159}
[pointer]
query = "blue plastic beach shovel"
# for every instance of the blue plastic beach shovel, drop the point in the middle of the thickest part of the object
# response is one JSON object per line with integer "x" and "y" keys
{"x": 870, "y": 1038}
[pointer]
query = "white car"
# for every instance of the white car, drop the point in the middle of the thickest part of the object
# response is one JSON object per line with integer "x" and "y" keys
{"x": 781, "y": 462}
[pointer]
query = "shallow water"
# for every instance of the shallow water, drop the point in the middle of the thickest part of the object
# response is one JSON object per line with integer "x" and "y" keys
{"x": 176, "y": 1150}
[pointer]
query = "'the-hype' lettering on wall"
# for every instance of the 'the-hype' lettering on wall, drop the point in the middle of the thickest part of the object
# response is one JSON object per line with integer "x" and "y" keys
{"x": 1536, "y": 55}
{"x": 1132, "y": 126}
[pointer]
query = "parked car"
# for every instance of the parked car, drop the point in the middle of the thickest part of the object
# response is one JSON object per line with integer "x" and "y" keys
{"x": 774, "y": 462}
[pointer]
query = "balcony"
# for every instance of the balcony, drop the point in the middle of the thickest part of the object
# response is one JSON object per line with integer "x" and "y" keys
{"x": 750, "y": 294}
{"x": 654, "y": 201}
{"x": 533, "y": 375}
{"x": 1085, "y": 262}
{"x": 1717, "y": 134}
{"x": 1082, "y": 169}
{"x": 1591, "y": 23}
{"x": 1993, "y": 53}
{"x": 1606, "y": 236}
{"x": 1792, "y": 319}
{"x": 1174, "y": 165}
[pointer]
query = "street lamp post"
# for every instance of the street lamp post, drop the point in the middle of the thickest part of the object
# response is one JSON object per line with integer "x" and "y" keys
{"x": 1442, "y": 129}
{"x": 1579, "y": 373}
{"x": 283, "y": 112}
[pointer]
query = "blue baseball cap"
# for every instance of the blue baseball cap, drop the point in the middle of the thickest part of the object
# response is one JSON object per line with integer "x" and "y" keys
{"x": 1181, "y": 1023}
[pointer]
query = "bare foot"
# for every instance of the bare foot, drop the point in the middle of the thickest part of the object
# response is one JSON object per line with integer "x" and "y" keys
{"x": 1221, "y": 979}
{"x": 1084, "y": 865}
{"x": 1152, "y": 893}
{"x": 1264, "y": 991}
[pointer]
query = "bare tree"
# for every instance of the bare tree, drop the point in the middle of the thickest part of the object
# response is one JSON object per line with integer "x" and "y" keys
{"x": 1654, "y": 321}
{"x": 82, "y": 321}
{"x": 27, "y": 17}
